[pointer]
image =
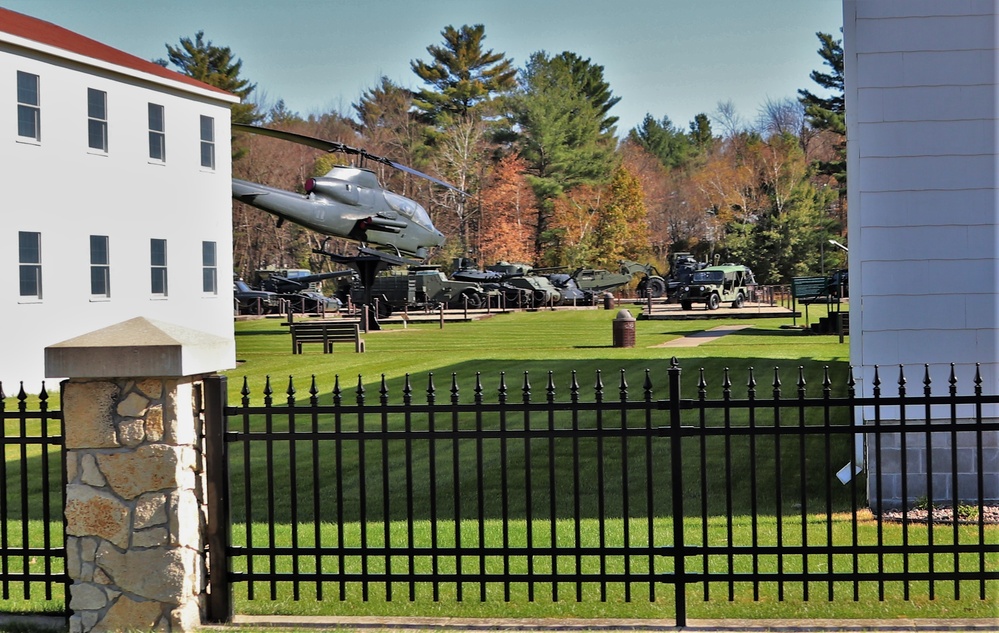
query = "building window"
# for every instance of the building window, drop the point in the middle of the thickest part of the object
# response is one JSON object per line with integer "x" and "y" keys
{"x": 97, "y": 119}
{"x": 158, "y": 267}
{"x": 157, "y": 133}
{"x": 209, "y": 269}
{"x": 208, "y": 142}
{"x": 29, "y": 248}
{"x": 100, "y": 268}
{"x": 29, "y": 112}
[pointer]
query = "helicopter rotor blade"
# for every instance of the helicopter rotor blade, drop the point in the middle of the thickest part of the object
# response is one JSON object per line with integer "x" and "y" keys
{"x": 333, "y": 146}
{"x": 301, "y": 139}
{"x": 420, "y": 174}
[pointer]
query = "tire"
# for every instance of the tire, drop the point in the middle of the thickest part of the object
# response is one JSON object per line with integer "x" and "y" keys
{"x": 714, "y": 301}
{"x": 656, "y": 287}
{"x": 739, "y": 301}
{"x": 474, "y": 300}
{"x": 686, "y": 305}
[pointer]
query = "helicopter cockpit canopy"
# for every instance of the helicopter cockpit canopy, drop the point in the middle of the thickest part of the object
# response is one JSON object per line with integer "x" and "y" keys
{"x": 409, "y": 208}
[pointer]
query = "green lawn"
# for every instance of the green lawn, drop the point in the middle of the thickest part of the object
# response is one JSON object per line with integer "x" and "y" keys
{"x": 560, "y": 341}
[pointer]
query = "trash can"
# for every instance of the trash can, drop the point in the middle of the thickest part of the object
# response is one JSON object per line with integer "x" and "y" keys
{"x": 624, "y": 329}
{"x": 608, "y": 301}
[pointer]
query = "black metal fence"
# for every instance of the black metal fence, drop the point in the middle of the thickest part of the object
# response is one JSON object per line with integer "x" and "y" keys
{"x": 32, "y": 492}
{"x": 523, "y": 491}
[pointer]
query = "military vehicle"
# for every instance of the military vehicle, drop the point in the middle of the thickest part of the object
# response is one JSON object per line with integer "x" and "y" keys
{"x": 520, "y": 285}
{"x": 585, "y": 285}
{"x": 250, "y": 301}
{"x": 715, "y": 285}
{"x": 295, "y": 280}
{"x": 682, "y": 267}
{"x": 419, "y": 287}
{"x": 300, "y": 288}
{"x": 651, "y": 284}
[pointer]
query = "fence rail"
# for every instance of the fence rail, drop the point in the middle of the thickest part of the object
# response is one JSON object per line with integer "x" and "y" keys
{"x": 606, "y": 494}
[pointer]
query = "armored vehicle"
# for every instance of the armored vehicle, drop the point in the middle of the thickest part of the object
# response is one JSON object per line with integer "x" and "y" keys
{"x": 521, "y": 285}
{"x": 420, "y": 286}
{"x": 715, "y": 285}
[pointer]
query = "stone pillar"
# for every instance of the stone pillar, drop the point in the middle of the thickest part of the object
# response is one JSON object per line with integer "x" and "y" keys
{"x": 135, "y": 497}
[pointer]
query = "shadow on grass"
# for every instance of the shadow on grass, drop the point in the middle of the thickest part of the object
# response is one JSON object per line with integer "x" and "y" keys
{"x": 543, "y": 461}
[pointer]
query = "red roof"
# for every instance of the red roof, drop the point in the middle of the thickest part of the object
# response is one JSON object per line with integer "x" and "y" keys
{"x": 49, "y": 34}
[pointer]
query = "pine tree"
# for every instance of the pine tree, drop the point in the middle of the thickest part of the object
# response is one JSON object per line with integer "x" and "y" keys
{"x": 462, "y": 75}
{"x": 663, "y": 140}
{"x": 829, "y": 113}
{"x": 215, "y": 66}
{"x": 560, "y": 134}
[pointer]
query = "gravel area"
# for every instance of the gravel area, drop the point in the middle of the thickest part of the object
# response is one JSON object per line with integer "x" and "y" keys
{"x": 966, "y": 514}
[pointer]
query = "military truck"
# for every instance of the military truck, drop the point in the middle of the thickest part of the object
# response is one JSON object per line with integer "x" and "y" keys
{"x": 715, "y": 285}
{"x": 419, "y": 287}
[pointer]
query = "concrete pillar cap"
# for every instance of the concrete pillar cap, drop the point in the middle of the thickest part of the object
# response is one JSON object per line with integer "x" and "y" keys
{"x": 139, "y": 347}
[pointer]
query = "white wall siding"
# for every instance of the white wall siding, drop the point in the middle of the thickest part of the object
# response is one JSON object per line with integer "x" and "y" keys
{"x": 924, "y": 241}
{"x": 68, "y": 192}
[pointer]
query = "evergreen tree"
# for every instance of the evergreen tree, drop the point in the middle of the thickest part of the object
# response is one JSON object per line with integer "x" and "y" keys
{"x": 216, "y": 66}
{"x": 589, "y": 77}
{"x": 700, "y": 132}
{"x": 663, "y": 140}
{"x": 829, "y": 113}
{"x": 280, "y": 115}
{"x": 560, "y": 134}
{"x": 461, "y": 76}
{"x": 389, "y": 125}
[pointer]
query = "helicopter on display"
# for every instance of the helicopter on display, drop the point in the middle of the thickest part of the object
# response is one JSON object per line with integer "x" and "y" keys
{"x": 348, "y": 202}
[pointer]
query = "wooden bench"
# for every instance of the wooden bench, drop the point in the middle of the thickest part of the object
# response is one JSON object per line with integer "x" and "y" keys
{"x": 327, "y": 333}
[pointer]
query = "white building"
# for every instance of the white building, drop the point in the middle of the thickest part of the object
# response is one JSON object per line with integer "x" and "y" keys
{"x": 922, "y": 129}
{"x": 922, "y": 149}
{"x": 116, "y": 195}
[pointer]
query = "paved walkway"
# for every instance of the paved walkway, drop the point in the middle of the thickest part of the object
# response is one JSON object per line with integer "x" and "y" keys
{"x": 454, "y": 625}
{"x": 704, "y": 336}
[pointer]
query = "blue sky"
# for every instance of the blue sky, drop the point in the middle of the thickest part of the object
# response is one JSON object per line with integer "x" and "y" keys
{"x": 663, "y": 57}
